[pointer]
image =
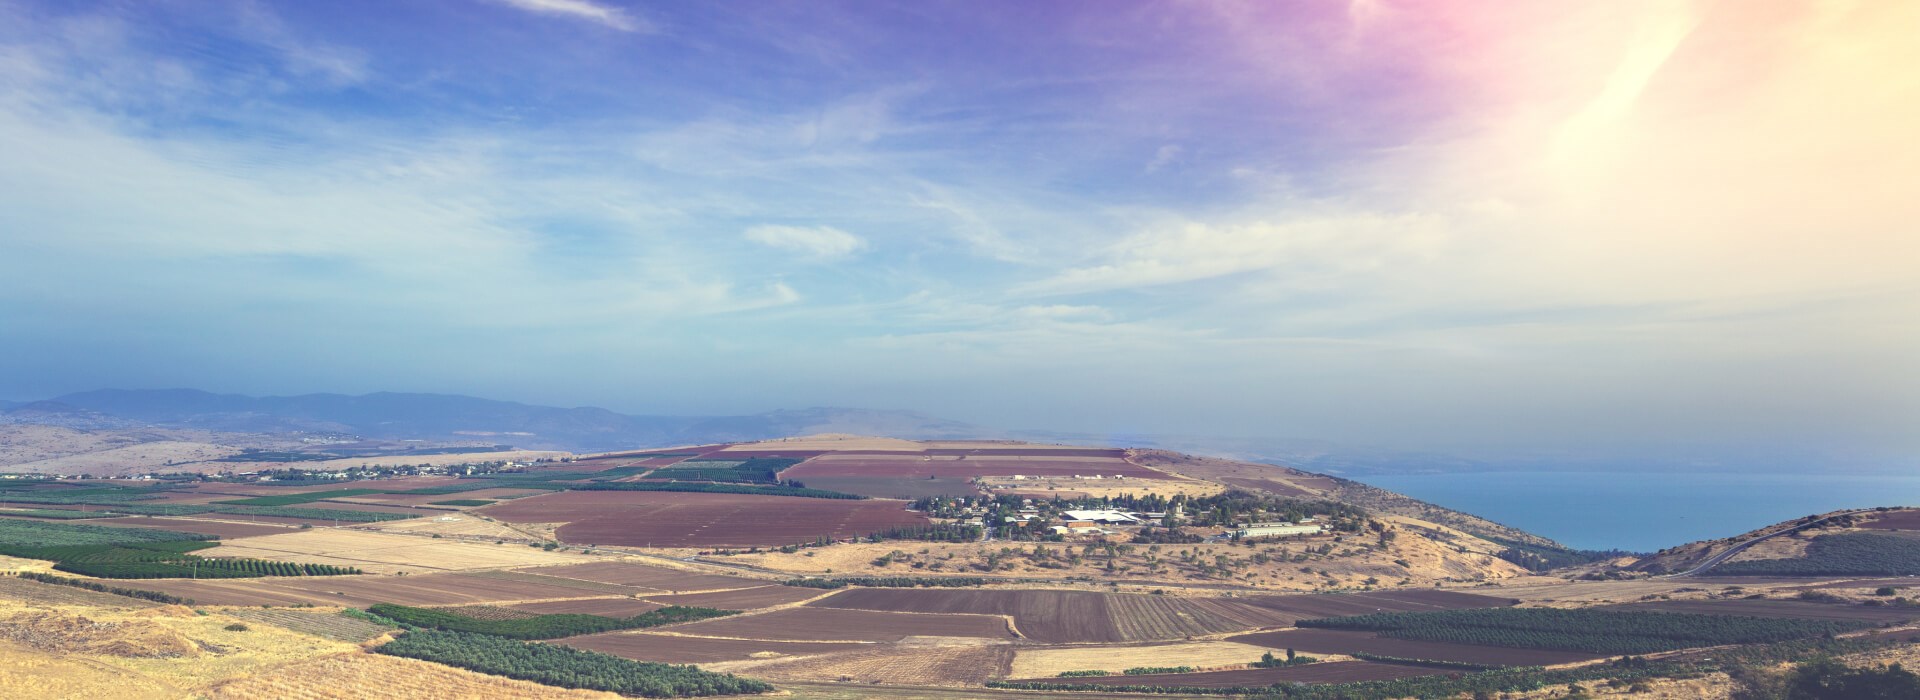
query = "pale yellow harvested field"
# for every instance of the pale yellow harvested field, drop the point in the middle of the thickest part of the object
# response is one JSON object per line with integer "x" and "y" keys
{"x": 381, "y": 552}
{"x": 353, "y": 676}
{"x": 1043, "y": 662}
{"x": 14, "y": 565}
{"x": 451, "y": 525}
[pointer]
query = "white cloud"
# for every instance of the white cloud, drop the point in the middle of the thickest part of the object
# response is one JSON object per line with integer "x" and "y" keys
{"x": 613, "y": 17}
{"x": 819, "y": 242}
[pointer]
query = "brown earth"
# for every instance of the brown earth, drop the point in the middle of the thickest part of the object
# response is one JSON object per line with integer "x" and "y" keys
{"x": 662, "y": 519}
{"x": 834, "y": 625}
{"x": 697, "y": 650}
{"x": 653, "y": 578}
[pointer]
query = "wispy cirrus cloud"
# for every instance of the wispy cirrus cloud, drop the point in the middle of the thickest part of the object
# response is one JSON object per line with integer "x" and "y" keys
{"x": 817, "y": 242}
{"x": 598, "y": 13}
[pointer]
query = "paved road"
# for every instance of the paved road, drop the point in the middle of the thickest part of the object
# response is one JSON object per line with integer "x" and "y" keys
{"x": 1722, "y": 557}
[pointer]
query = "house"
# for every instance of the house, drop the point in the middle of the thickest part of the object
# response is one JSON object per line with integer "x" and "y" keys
{"x": 1108, "y": 517}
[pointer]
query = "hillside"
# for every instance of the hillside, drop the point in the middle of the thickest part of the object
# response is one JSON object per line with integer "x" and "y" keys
{"x": 1879, "y": 541}
{"x": 183, "y": 427}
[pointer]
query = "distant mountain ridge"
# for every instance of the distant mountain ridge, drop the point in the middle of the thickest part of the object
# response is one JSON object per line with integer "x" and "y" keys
{"x": 402, "y": 416}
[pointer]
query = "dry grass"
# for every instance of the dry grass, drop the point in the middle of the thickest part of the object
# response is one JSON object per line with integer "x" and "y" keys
{"x": 361, "y": 675}
{"x": 1785, "y": 547}
{"x": 450, "y": 525}
{"x": 158, "y": 652}
{"x": 1044, "y": 662}
{"x": 386, "y": 553}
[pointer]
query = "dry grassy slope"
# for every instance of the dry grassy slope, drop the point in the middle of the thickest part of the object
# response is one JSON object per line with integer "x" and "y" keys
{"x": 1689, "y": 555}
{"x": 1287, "y": 481}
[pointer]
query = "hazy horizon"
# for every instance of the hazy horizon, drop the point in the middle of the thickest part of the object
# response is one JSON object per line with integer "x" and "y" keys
{"x": 1627, "y": 229}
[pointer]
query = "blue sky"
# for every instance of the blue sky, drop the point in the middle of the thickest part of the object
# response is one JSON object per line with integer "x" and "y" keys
{"x": 1589, "y": 228}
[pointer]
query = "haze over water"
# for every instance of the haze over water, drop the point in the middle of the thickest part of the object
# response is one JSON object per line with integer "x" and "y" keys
{"x": 1648, "y": 511}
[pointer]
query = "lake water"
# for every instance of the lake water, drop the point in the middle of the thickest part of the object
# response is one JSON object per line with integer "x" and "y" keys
{"x": 1650, "y": 511}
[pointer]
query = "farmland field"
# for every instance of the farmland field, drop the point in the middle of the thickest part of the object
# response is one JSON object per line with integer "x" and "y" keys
{"x": 1325, "y": 672}
{"x": 1776, "y": 608}
{"x": 674, "y": 649}
{"x": 743, "y": 599}
{"x": 1319, "y": 641}
{"x": 610, "y": 607}
{"x": 585, "y": 586}
{"x": 826, "y": 624}
{"x": 891, "y": 664}
{"x": 417, "y": 499}
{"x": 222, "y": 530}
{"x": 1055, "y": 616}
{"x": 428, "y": 589}
{"x": 1411, "y": 600}
{"x": 379, "y": 552}
{"x": 1047, "y": 662}
{"x": 659, "y": 579}
{"x": 962, "y": 467}
{"x": 661, "y": 519}
{"x": 894, "y": 487}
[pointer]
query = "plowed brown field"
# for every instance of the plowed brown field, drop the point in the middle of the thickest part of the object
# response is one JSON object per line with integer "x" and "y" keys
{"x": 606, "y": 607}
{"x": 1074, "y": 616}
{"x": 697, "y": 650}
{"x": 744, "y": 599}
{"x": 823, "y": 624}
{"x": 654, "y": 578}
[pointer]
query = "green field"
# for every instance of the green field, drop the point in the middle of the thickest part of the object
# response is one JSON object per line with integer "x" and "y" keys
{"x": 294, "y": 499}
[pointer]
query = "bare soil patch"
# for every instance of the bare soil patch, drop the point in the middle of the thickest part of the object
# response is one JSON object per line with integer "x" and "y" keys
{"x": 744, "y": 599}
{"x": 608, "y": 607}
{"x": 917, "y": 666}
{"x": 655, "y": 578}
{"x": 1046, "y": 662}
{"x": 825, "y": 624}
{"x": 697, "y": 650}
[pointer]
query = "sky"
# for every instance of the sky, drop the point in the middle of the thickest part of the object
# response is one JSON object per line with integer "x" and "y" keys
{"x": 1614, "y": 228}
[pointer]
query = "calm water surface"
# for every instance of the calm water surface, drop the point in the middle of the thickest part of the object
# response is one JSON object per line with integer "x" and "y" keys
{"x": 1647, "y": 512}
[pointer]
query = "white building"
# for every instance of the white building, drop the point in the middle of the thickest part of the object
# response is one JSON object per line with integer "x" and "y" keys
{"x": 1113, "y": 517}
